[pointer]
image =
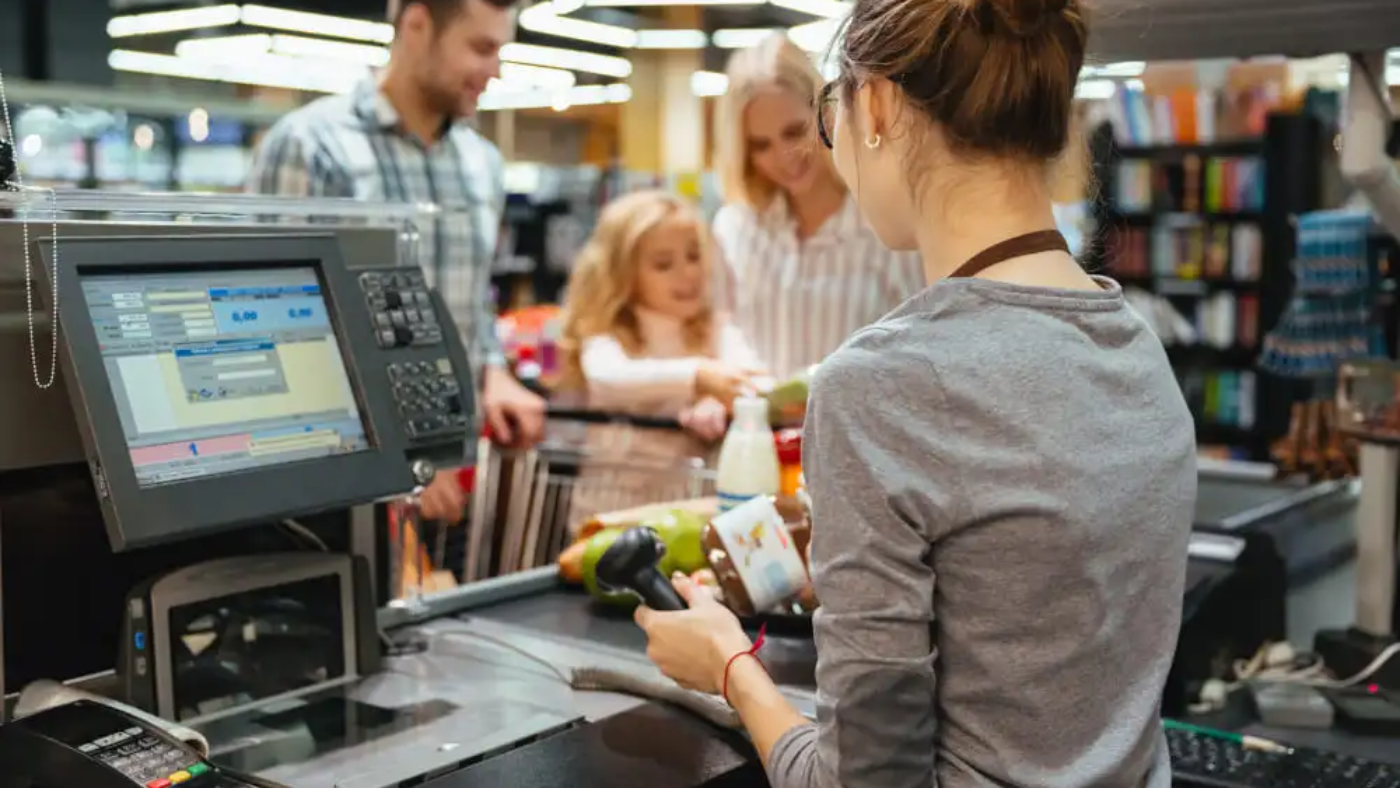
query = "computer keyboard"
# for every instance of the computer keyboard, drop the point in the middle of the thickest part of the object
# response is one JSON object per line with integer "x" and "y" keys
{"x": 1202, "y": 761}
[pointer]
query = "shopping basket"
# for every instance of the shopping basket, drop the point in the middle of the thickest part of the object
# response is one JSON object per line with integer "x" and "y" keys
{"x": 526, "y": 504}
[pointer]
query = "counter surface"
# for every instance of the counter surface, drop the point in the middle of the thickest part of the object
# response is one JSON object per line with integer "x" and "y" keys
{"x": 487, "y": 703}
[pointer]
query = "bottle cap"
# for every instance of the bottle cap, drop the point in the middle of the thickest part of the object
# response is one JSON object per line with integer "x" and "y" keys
{"x": 750, "y": 408}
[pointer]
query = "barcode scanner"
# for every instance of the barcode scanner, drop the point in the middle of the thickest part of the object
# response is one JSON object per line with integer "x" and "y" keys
{"x": 630, "y": 564}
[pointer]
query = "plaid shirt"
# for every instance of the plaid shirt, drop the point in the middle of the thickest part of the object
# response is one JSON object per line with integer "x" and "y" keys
{"x": 352, "y": 146}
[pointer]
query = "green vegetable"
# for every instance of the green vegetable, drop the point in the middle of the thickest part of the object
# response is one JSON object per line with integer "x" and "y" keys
{"x": 597, "y": 545}
{"x": 680, "y": 531}
{"x": 787, "y": 402}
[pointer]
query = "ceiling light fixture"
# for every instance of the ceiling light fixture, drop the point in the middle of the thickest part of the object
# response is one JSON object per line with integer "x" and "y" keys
{"x": 1096, "y": 89}
{"x": 581, "y": 95}
{"x": 262, "y": 70}
{"x": 740, "y": 37}
{"x": 172, "y": 21}
{"x": 541, "y": 18}
{"x": 572, "y": 59}
{"x": 708, "y": 83}
{"x": 317, "y": 24}
{"x": 829, "y": 9}
{"x": 815, "y": 36}
{"x": 671, "y": 39}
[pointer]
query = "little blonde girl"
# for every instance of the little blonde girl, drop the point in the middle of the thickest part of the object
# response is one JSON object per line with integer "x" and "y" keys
{"x": 641, "y": 337}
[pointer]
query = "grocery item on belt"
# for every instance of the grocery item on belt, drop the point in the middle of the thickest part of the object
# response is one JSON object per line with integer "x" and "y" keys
{"x": 748, "y": 460}
{"x": 756, "y": 560}
{"x": 704, "y": 508}
{"x": 679, "y": 529}
{"x": 787, "y": 401}
{"x": 789, "y": 445}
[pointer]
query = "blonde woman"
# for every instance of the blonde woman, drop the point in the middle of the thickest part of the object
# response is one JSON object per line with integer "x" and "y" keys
{"x": 804, "y": 271}
{"x": 641, "y": 337}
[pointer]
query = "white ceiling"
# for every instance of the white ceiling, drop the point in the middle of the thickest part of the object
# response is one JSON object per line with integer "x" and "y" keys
{"x": 1190, "y": 29}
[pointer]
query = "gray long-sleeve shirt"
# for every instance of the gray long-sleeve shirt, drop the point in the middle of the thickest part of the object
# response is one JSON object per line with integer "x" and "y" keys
{"x": 1002, "y": 484}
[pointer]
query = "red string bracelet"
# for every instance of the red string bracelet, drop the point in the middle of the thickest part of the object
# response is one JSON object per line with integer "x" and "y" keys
{"x": 752, "y": 652}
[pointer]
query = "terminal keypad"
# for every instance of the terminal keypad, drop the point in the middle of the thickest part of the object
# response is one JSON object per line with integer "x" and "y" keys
{"x": 425, "y": 373}
{"x": 145, "y": 759}
{"x": 428, "y": 396}
{"x": 401, "y": 308}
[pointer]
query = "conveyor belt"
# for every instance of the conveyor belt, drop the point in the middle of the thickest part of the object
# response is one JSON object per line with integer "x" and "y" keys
{"x": 571, "y": 614}
{"x": 479, "y": 694}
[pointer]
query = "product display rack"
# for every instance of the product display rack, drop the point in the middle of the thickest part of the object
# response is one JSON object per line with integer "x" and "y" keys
{"x": 1193, "y": 234}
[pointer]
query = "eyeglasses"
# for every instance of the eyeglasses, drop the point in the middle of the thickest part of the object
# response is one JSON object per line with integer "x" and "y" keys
{"x": 826, "y": 112}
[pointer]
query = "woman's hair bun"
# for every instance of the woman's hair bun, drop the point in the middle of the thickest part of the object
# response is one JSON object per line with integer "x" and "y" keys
{"x": 1021, "y": 18}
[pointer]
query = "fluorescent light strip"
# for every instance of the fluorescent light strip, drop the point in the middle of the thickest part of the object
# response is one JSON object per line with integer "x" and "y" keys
{"x": 172, "y": 21}
{"x": 300, "y": 46}
{"x": 830, "y": 9}
{"x": 554, "y": 57}
{"x": 671, "y": 39}
{"x": 815, "y": 36}
{"x": 740, "y": 37}
{"x": 515, "y": 74}
{"x": 317, "y": 24}
{"x": 541, "y": 18}
{"x": 708, "y": 83}
{"x": 1125, "y": 70}
{"x": 265, "y": 70}
{"x": 293, "y": 74}
{"x": 216, "y": 46}
{"x": 226, "y": 48}
{"x": 560, "y": 100}
{"x": 1096, "y": 89}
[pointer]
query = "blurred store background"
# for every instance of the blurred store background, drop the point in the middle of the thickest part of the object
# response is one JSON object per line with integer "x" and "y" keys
{"x": 1188, "y": 186}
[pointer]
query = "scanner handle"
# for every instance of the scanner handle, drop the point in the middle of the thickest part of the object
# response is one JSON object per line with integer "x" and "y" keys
{"x": 657, "y": 592}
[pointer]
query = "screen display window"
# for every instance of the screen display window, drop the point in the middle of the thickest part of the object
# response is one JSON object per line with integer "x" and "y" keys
{"x": 222, "y": 371}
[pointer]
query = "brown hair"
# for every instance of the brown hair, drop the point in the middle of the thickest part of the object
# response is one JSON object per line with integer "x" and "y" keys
{"x": 442, "y": 11}
{"x": 997, "y": 76}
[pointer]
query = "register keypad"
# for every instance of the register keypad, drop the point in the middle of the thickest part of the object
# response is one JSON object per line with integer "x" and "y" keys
{"x": 146, "y": 760}
{"x": 429, "y": 399}
{"x": 401, "y": 308}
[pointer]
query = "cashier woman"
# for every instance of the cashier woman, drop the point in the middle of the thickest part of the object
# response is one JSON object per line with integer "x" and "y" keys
{"x": 1002, "y": 470}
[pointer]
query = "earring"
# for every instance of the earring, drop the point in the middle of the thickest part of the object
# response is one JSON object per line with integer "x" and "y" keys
{"x": 872, "y": 142}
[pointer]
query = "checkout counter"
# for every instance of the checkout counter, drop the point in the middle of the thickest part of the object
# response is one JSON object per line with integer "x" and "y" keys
{"x": 147, "y": 497}
{"x": 222, "y": 386}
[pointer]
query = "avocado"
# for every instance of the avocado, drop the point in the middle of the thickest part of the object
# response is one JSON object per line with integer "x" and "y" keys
{"x": 597, "y": 545}
{"x": 680, "y": 531}
{"x": 787, "y": 402}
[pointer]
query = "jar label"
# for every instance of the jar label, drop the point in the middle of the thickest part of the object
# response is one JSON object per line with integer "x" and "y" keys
{"x": 763, "y": 552}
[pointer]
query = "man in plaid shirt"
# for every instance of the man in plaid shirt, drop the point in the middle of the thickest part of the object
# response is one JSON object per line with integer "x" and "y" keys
{"x": 404, "y": 137}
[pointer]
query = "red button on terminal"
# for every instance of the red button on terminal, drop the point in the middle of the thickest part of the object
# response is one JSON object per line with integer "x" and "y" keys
{"x": 161, "y": 783}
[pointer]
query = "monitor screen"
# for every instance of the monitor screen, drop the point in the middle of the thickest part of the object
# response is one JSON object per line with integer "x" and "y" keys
{"x": 224, "y": 370}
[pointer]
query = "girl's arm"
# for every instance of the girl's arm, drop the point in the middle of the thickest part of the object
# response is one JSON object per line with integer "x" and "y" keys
{"x": 617, "y": 381}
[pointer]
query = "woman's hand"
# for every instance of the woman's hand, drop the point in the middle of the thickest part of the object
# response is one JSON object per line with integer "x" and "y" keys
{"x": 693, "y": 646}
{"x": 722, "y": 382}
{"x": 707, "y": 419}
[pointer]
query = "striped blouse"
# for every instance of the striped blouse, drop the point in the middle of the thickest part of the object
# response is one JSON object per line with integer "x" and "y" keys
{"x": 797, "y": 300}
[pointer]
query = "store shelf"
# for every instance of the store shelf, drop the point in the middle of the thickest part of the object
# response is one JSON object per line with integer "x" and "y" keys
{"x": 1244, "y": 147}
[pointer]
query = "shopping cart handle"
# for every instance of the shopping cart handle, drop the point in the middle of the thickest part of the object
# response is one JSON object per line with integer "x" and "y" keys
{"x": 604, "y": 417}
